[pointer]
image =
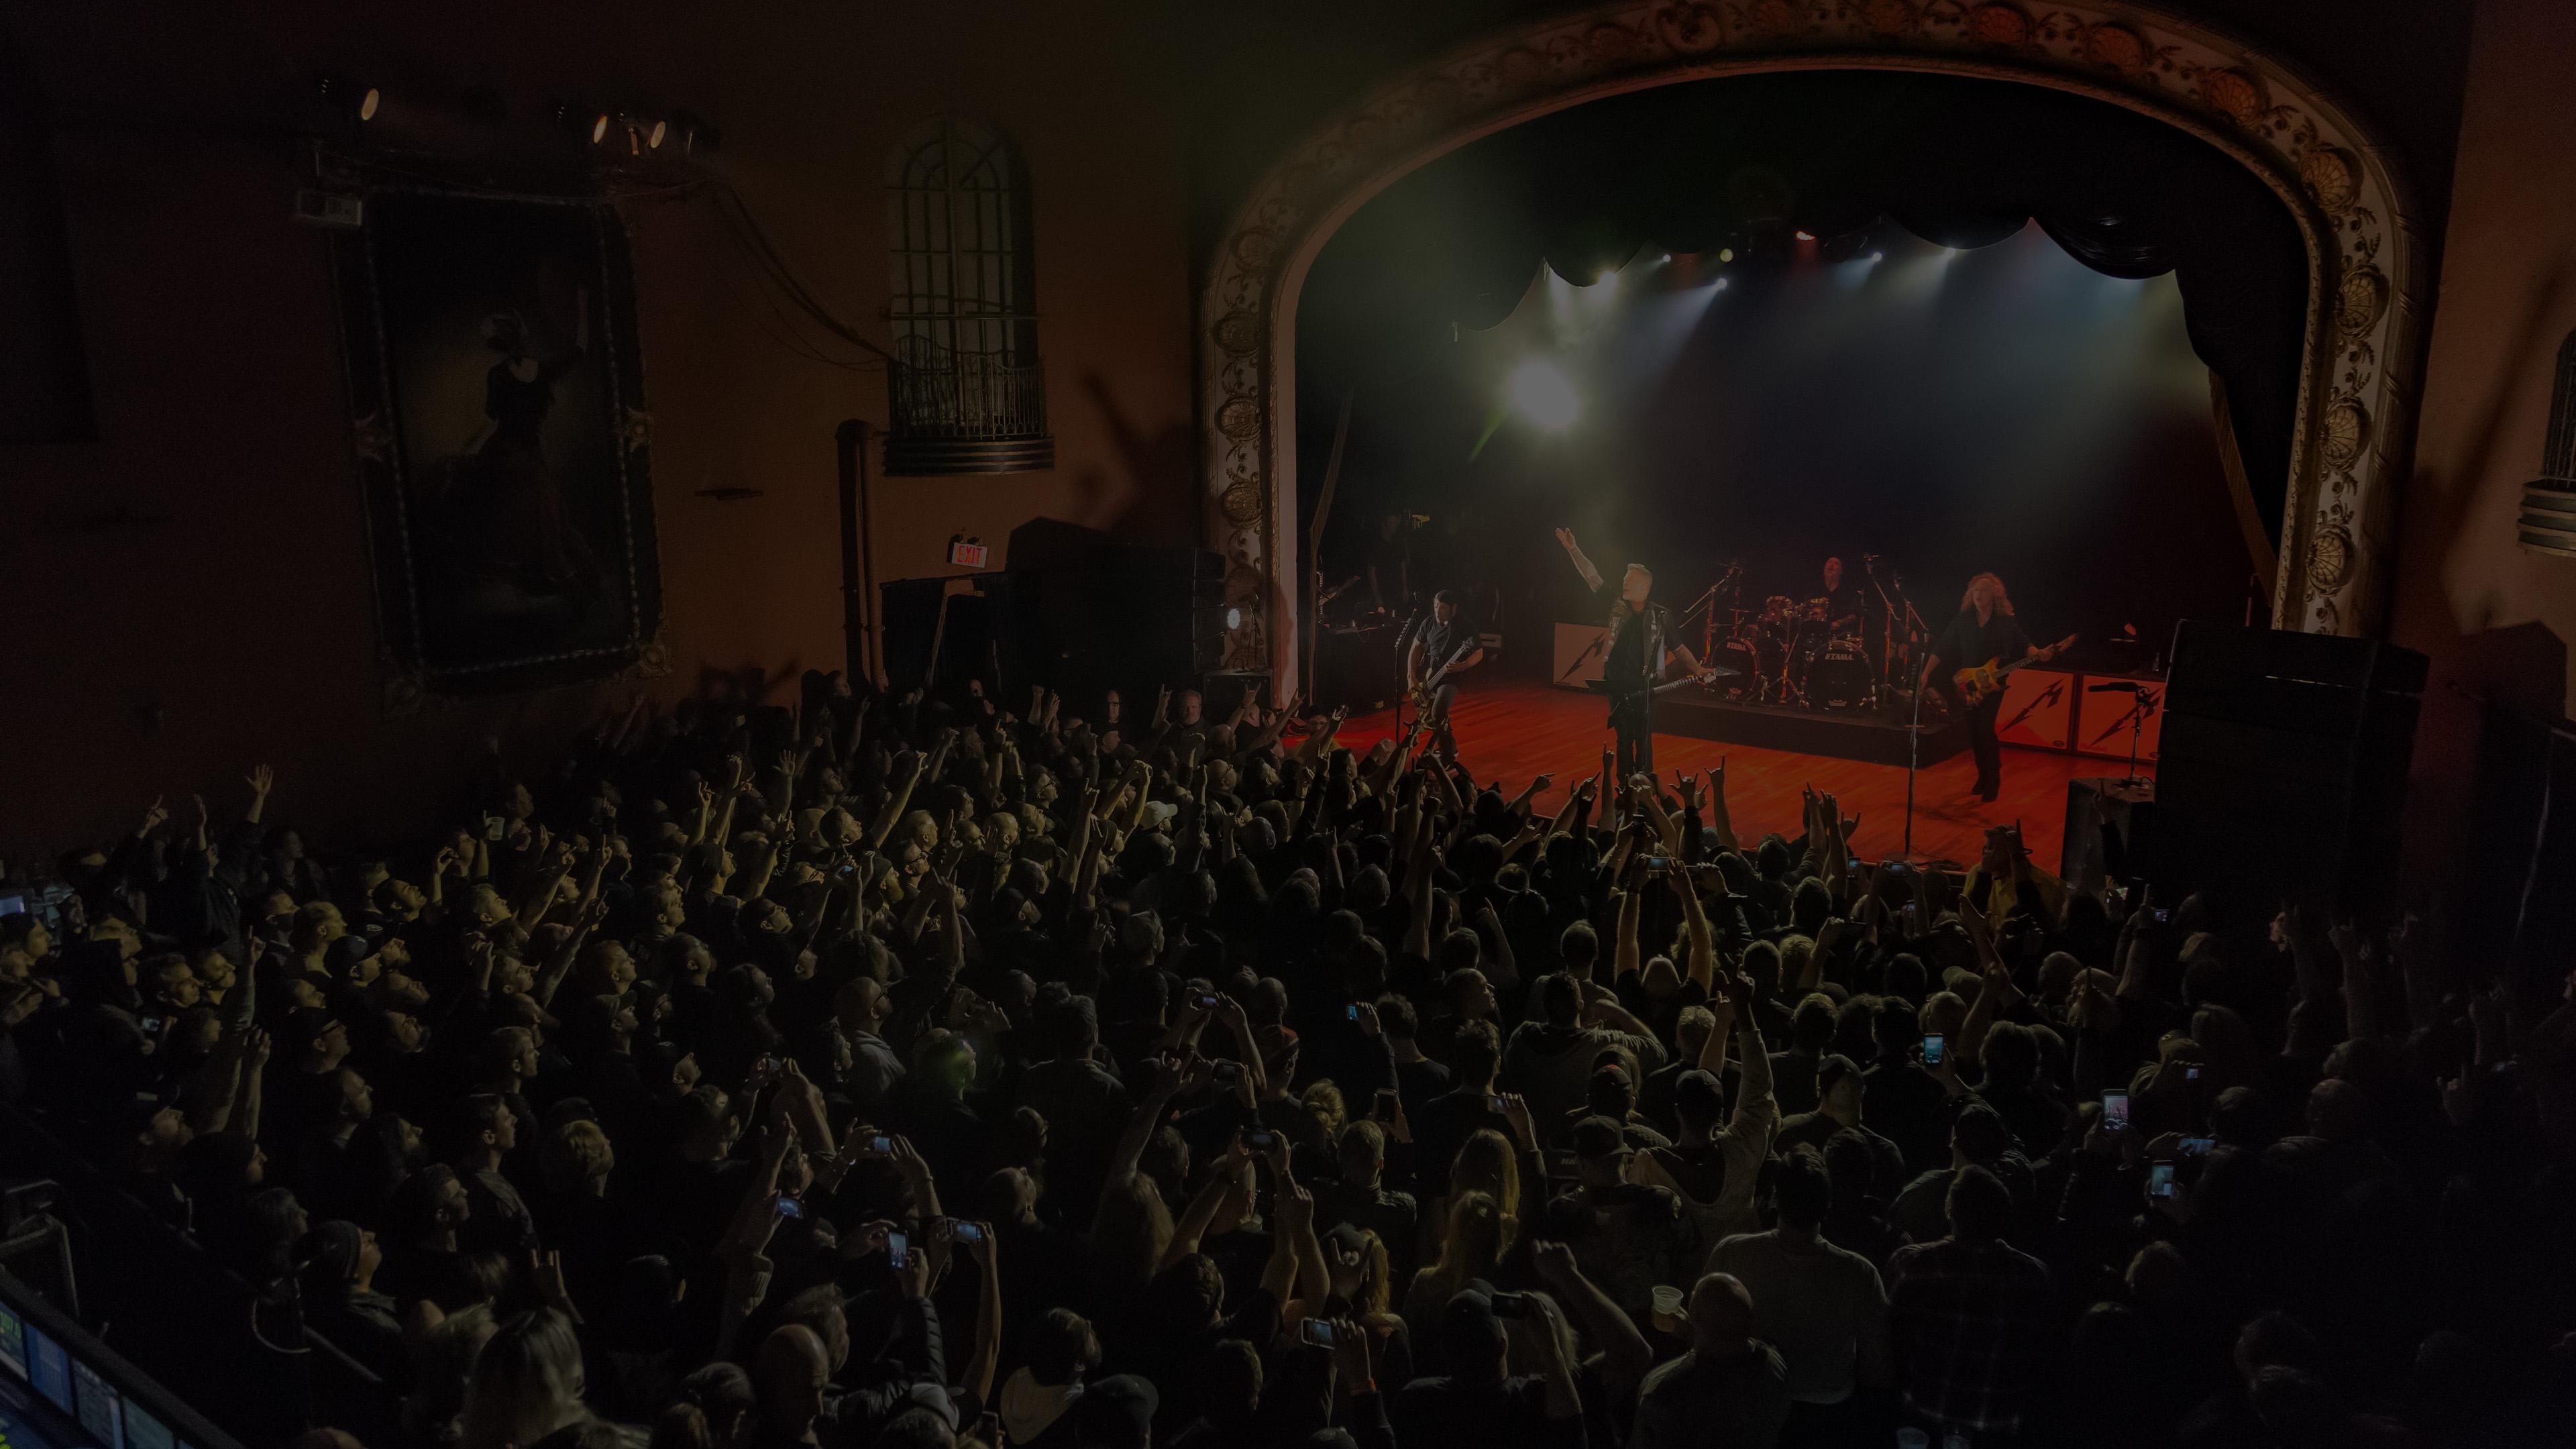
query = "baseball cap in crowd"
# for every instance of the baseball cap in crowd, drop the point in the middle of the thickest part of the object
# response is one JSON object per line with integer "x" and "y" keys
{"x": 1696, "y": 1091}
{"x": 1598, "y": 1137}
{"x": 1471, "y": 1334}
{"x": 1116, "y": 1413}
{"x": 1831, "y": 1069}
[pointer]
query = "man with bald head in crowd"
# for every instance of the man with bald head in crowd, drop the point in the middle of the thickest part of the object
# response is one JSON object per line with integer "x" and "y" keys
{"x": 789, "y": 1376}
{"x": 1731, "y": 1391}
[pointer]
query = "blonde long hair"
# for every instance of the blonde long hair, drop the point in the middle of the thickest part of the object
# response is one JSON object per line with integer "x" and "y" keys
{"x": 1487, "y": 1164}
{"x": 1477, "y": 1234}
{"x": 2003, "y": 596}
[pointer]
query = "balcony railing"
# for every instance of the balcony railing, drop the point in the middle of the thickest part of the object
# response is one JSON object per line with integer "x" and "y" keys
{"x": 967, "y": 413}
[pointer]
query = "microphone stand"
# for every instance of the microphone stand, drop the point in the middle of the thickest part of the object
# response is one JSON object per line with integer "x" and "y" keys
{"x": 1913, "y": 762}
{"x": 1403, "y": 648}
{"x": 2137, "y": 725}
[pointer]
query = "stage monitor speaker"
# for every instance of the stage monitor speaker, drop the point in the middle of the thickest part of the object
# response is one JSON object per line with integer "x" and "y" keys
{"x": 2039, "y": 709}
{"x": 1579, "y": 653}
{"x": 2283, "y": 767}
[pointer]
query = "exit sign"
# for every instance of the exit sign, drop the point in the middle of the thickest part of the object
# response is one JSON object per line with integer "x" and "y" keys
{"x": 966, "y": 555}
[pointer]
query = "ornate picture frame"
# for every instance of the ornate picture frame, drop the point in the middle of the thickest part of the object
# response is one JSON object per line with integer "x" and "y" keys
{"x": 501, "y": 443}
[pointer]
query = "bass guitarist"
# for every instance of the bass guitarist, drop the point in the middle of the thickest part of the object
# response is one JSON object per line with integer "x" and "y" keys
{"x": 1445, "y": 649}
{"x": 1985, "y": 632}
{"x": 1641, "y": 645}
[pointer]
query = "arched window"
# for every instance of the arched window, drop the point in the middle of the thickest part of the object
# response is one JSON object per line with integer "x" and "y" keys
{"x": 969, "y": 395}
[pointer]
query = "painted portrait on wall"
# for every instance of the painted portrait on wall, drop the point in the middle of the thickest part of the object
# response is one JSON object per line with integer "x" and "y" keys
{"x": 503, "y": 447}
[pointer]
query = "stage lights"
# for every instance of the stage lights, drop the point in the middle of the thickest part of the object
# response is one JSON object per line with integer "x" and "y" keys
{"x": 1726, "y": 254}
{"x": 581, "y": 120}
{"x": 1541, "y": 392}
{"x": 643, "y": 133}
{"x": 356, "y": 101}
{"x": 1806, "y": 236}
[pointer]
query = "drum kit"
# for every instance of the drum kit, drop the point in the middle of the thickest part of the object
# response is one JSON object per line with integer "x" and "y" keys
{"x": 1791, "y": 652}
{"x": 1802, "y": 657}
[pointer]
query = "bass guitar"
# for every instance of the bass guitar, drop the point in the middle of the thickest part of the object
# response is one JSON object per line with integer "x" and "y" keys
{"x": 1977, "y": 683}
{"x": 1426, "y": 692}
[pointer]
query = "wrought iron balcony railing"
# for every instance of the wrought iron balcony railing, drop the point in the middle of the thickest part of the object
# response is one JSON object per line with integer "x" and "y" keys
{"x": 967, "y": 413}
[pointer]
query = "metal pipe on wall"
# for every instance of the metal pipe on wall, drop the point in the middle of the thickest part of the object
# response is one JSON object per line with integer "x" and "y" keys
{"x": 858, "y": 556}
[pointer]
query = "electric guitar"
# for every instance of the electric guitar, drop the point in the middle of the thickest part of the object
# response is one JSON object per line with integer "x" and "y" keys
{"x": 1977, "y": 682}
{"x": 1426, "y": 691}
{"x": 1709, "y": 674}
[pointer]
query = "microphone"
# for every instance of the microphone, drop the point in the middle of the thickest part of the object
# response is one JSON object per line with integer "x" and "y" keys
{"x": 2116, "y": 686}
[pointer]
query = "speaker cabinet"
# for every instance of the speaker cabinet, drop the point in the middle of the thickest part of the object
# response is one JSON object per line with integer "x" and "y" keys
{"x": 2282, "y": 771}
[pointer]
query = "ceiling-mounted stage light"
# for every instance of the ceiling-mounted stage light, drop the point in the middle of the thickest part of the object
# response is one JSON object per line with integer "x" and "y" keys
{"x": 643, "y": 133}
{"x": 1726, "y": 254}
{"x": 586, "y": 121}
{"x": 1806, "y": 236}
{"x": 350, "y": 98}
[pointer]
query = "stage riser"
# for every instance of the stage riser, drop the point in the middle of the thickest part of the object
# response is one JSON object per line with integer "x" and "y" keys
{"x": 1855, "y": 736}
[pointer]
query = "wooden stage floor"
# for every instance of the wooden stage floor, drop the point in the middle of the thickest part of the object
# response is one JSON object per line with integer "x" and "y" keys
{"x": 1511, "y": 730}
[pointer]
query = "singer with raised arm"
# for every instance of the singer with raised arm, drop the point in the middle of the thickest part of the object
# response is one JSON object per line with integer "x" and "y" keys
{"x": 1641, "y": 647}
{"x": 1968, "y": 662}
{"x": 1446, "y": 647}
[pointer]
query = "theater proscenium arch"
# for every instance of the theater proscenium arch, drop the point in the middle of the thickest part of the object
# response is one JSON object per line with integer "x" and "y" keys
{"x": 2366, "y": 255}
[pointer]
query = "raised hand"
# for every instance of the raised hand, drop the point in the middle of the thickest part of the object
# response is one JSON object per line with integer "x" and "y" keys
{"x": 1554, "y": 1262}
{"x": 1296, "y": 1205}
{"x": 153, "y": 817}
{"x": 261, "y": 780}
{"x": 545, "y": 1274}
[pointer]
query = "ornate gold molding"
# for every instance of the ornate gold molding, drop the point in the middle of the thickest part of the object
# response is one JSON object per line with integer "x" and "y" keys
{"x": 2357, "y": 392}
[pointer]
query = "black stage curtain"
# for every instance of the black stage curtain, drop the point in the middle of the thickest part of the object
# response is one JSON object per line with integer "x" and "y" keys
{"x": 1749, "y": 161}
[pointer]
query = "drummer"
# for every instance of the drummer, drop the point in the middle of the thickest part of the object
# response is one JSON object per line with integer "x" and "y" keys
{"x": 1841, "y": 611}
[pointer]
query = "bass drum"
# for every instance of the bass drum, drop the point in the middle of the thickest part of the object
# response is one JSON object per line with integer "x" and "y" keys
{"x": 1839, "y": 677}
{"x": 1737, "y": 652}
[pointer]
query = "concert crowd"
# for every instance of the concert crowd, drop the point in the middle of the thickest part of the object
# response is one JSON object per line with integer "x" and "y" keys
{"x": 905, "y": 1072}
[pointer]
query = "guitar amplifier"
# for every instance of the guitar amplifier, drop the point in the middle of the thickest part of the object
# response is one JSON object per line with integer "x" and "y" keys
{"x": 1580, "y": 650}
{"x": 2039, "y": 709}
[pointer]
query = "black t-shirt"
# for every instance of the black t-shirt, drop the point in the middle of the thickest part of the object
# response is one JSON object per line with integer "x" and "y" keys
{"x": 1841, "y": 603}
{"x": 1967, "y": 644}
{"x": 1440, "y": 640}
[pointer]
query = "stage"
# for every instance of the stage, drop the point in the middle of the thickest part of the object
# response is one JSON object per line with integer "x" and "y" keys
{"x": 1843, "y": 734}
{"x": 1509, "y": 731}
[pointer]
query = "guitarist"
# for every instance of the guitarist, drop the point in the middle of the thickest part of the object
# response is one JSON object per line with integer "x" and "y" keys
{"x": 1984, "y": 632}
{"x": 1439, "y": 640}
{"x": 1641, "y": 644}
